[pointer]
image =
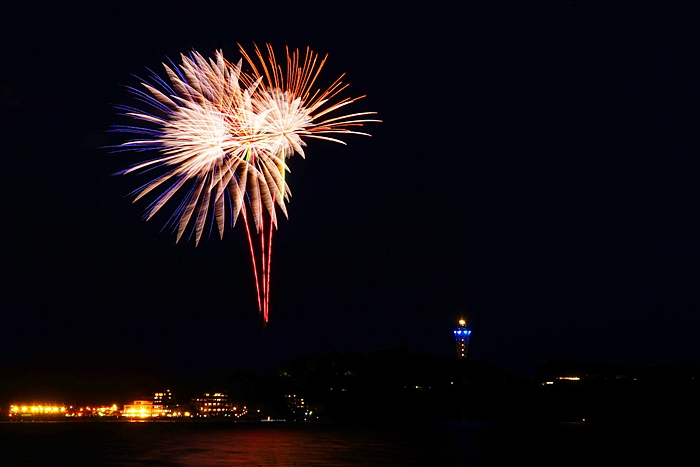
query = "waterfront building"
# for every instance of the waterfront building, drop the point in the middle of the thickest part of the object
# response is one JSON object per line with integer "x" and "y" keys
{"x": 163, "y": 401}
{"x": 297, "y": 406}
{"x": 93, "y": 411}
{"x": 37, "y": 410}
{"x": 141, "y": 409}
{"x": 163, "y": 398}
{"x": 212, "y": 405}
{"x": 462, "y": 333}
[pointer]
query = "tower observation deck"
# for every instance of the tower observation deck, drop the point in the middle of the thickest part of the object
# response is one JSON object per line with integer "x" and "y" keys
{"x": 462, "y": 333}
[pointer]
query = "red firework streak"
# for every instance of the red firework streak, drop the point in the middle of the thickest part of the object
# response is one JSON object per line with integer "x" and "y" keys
{"x": 262, "y": 281}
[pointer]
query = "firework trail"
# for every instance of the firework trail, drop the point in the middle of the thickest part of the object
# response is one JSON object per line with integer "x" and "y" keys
{"x": 223, "y": 135}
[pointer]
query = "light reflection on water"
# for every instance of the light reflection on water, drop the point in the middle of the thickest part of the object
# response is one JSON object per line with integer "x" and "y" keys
{"x": 200, "y": 444}
{"x": 309, "y": 445}
{"x": 319, "y": 445}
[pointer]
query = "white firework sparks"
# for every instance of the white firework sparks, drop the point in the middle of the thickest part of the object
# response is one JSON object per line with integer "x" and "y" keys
{"x": 226, "y": 134}
{"x": 209, "y": 134}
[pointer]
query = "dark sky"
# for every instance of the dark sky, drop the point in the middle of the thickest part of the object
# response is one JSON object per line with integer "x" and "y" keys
{"x": 536, "y": 171}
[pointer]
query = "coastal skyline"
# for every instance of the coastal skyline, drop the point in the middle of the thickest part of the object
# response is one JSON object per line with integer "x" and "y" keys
{"x": 535, "y": 172}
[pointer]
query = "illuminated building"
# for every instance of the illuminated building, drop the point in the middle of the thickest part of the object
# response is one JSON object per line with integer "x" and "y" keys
{"x": 37, "y": 410}
{"x": 296, "y": 405}
{"x": 163, "y": 401}
{"x": 163, "y": 398}
{"x": 141, "y": 409}
{"x": 93, "y": 411}
{"x": 462, "y": 334}
{"x": 213, "y": 405}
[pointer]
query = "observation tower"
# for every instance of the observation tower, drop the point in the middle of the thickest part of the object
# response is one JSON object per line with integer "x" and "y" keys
{"x": 462, "y": 334}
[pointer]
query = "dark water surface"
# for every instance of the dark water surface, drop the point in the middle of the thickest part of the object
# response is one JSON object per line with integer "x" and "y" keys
{"x": 347, "y": 445}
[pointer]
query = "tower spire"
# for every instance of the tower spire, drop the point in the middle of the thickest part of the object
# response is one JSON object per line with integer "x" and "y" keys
{"x": 462, "y": 333}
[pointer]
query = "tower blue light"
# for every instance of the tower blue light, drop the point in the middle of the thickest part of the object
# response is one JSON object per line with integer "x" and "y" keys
{"x": 462, "y": 334}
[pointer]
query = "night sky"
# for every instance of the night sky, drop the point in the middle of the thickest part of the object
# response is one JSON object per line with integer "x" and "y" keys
{"x": 535, "y": 171}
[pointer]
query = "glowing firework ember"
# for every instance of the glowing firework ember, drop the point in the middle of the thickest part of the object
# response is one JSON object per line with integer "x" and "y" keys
{"x": 223, "y": 136}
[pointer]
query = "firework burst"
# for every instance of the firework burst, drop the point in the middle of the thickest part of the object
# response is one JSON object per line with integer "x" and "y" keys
{"x": 223, "y": 136}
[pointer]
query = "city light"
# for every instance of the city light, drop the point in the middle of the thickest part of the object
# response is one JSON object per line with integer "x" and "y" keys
{"x": 36, "y": 409}
{"x": 161, "y": 406}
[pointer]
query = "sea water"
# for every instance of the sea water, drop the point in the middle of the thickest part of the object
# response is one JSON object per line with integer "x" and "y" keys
{"x": 344, "y": 445}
